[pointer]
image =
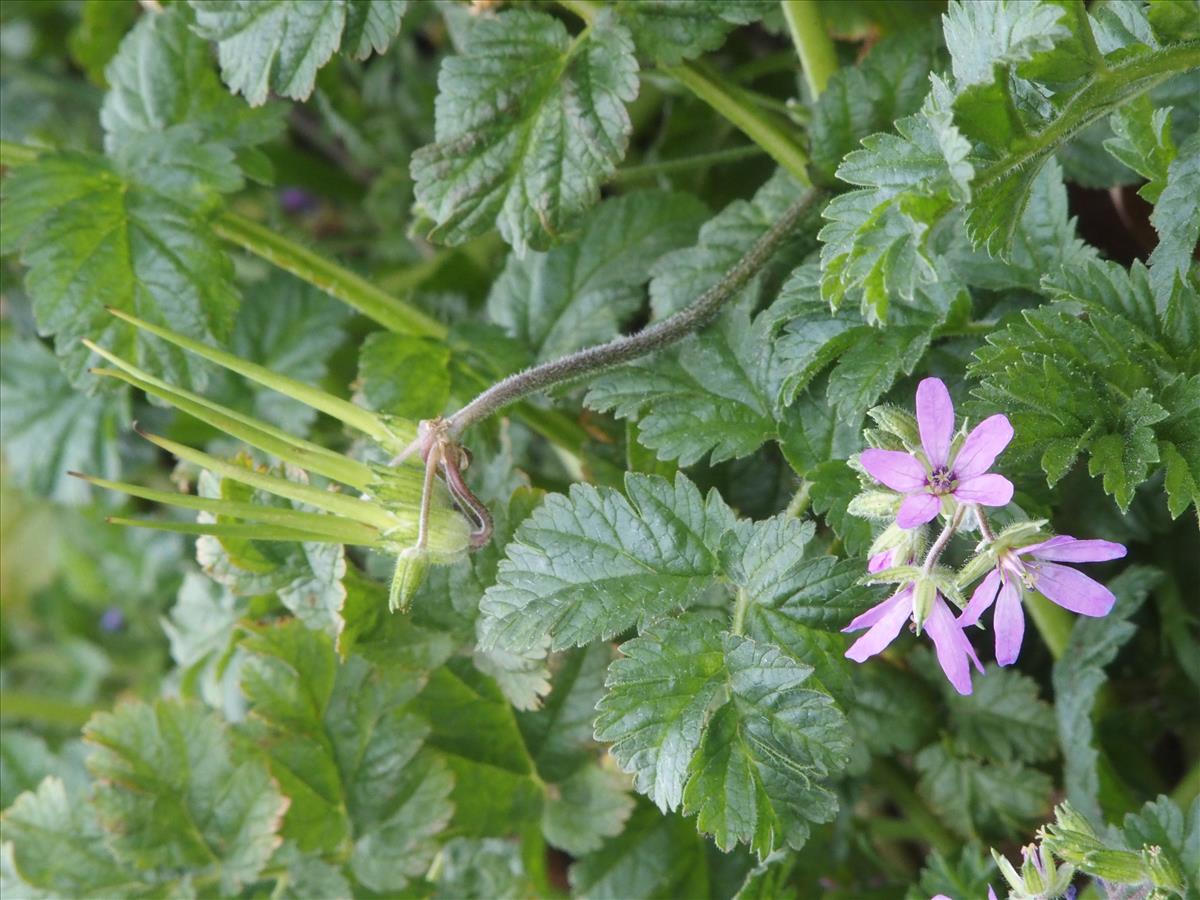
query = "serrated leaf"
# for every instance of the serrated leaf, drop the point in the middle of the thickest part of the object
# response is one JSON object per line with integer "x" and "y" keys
{"x": 491, "y": 867}
{"x": 474, "y": 730}
{"x": 1142, "y": 141}
{"x": 968, "y": 876}
{"x": 754, "y": 778}
{"x": 559, "y": 734}
{"x": 1161, "y": 824}
{"x": 58, "y": 848}
{"x": 591, "y": 564}
{"x": 51, "y": 429}
{"x": 279, "y": 45}
{"x": 833, "y": 485}
{"x": 1077, "y": 677}
{"x": 1176, "y": 218}
{"x": 981, "y": 37}
{"x": 1004, "y": 719}
{"x": 347, "y": 750}
{"x": 796, "y": 603}
{"x": 581, "y": 293}
{"x": 531, "y": 167}
{"x": 975, "y": 797}
{"x": 865, "y": 99}
{"x": 162, "y": 77}
{"x": 671, "y": 31}
{"x": 92, "y": 239}
{"x": 657, "y": 705}
{"x": 95, "y": 38}
{"x": 174, "y": 793}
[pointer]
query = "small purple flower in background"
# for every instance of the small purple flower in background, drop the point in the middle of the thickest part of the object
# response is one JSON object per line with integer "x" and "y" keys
{"x": 1036, "y": 567}
{"x": 884, "y": 621}
{"x": 296, "y": 200}
{"x": 112, "y": 620}
{"x": 925, "y": 478}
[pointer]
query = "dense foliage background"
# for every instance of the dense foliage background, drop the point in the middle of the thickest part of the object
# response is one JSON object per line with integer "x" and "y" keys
{"x": 399, "y": 203}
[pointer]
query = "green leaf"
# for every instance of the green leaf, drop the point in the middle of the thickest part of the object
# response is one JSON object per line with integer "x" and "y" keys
{"x": 755, "y": 777}
{"x": 25, "y": 759}
{"x": 174, "y": 793}
{"x": 1004, "y": 719}
{"x": 534, "y": 167}
{"x": 95, "y": 38}
{"x": 1176, "y": 218}
{"x": 559, "y": 734}
{"x": 1110, "y": 383}
{"x": 474, "y": 730}
{"x": 658, "y": 703}
{"x": 1077, "y": 678}
{"x": 489, "y": 868}
{"x": 1142, "y": 141}
{"x": 671, "y": 31}
{"x": 655, "y": 856}
{"x": 584, "y": 809}
{"x": 279, "y": 45}
{"x": 162, "y": 77}
{"x": 92, "y": 239}
{"x": 1160, "y": 824}
{"x": 404, "y": 376}
{"x": 858, "y": 101}
{"x": 581, "y": 293}
{"x": 796, "y": 603}
{"x": 347, "y": 749}
{"x": 969, "y": 876}
{"x": 591, "y": 564}
{"x": 58, "y": 848}
{"x": 51, "y": 429}
{"x": 975, "y": 797}
{"x": 833, "y": 485}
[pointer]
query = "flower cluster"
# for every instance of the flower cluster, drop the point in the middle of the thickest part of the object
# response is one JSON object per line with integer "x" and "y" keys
{"x": 932, "y": 469}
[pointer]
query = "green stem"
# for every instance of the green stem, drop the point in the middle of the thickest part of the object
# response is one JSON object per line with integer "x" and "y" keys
{"x": 894, "y": 781}
{"x": 755, "y": 123}
{"x": 1188, "y": 788}
{"x": 349, "y": 287}
{"x": 799, "y": 502}
{"x": 686, "y": 163}
{"x": 817, "y": 55}
{"x": 1052, "y": 622}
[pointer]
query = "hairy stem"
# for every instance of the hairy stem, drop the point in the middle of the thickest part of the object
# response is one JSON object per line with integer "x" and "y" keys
{"x": 812, "y": 42}
{"x": 628, "y": 347}
{"x": 943, "y": 539}
{"x": 984, "y": 526}
{"x": 1052, "y": 622}
{"x": 740, "y": 606}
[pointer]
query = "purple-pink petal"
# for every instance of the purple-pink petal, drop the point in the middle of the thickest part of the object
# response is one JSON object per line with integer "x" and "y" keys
{"x": 1065, "y": 548}
{"x": 881, "y": 561}
{"x": 982, "y": 446}
{"x": 954, "y": 651}
{"x": 917, "y": 509}
{"x": 1072, "y": 590}
{"x": 903, "y": 597}
{"x": 1009, "y": 623}
{"x": 935, "y": 420}
{"x": 989, "y": 490}
{"x": 983, "y": 597}
{"x": 885, "y": 629}
{"x": 898, "y": 470}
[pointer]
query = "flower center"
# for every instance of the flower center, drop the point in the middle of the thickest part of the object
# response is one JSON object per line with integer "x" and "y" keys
{"x": 942, "y": 480}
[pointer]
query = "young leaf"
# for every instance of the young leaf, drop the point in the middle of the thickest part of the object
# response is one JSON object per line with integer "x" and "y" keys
{"x": 1004, "y": 719}
{"x": 587, "y": 807}
{"x": 174, "y": 792}
{"x": 591, "y": 564}
{"x": 531, "y": 167}
{"x": 581, "y": 293}
{"x": 279, "y": 45}
{"x": 975, "y": 797}
{"x": 92, "y": 239}
{"x": 1176, "y": 217}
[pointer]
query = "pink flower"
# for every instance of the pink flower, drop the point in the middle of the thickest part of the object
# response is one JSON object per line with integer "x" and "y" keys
{"x": 937, "y": 472}
{"x": 884, "y": 621}
{"x": 883, "y": 560}
{"x": 1036, "y": 567}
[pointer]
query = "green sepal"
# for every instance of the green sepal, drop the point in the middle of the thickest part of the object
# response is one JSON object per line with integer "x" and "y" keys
{"x": 408, "y": 576}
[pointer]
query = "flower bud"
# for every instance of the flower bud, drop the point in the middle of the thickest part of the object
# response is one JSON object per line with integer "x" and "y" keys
{"x": 880, "y": 505}
{"x": 924, "y": 594}
{"x": 898, "y": 422}
{"x": 411, "y": 566}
